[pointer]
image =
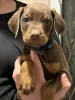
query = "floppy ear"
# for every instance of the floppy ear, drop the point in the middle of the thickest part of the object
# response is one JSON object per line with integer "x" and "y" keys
{"x": 59, "y": 23}
{"x": 14, "y": 21}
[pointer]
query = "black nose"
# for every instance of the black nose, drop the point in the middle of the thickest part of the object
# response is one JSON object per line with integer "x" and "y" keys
{"x": 35, "y": 36}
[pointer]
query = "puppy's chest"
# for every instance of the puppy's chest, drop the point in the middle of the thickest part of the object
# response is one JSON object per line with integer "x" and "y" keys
{"x": 50, "y": 64}
{"x": 49, "y": 61}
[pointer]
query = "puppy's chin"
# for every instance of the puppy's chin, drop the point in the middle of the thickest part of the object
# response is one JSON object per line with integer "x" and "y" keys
{"x": 35, "y": 43}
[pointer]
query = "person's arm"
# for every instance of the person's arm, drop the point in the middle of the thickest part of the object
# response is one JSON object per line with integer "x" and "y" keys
{"x": 64, "y": 80}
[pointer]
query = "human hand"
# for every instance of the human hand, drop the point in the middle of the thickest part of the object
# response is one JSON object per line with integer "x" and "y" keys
{"x": 16, "y": 72}
{"x": 35, "y": 59}
{"x": 65, "y": 87}
{"x": 40, "y": 78}
{"x": 49, "y": 92}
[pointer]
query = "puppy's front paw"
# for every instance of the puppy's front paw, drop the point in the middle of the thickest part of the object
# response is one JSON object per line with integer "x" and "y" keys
{"x": 27, "y": 85}
{"x": 27, "y": 78}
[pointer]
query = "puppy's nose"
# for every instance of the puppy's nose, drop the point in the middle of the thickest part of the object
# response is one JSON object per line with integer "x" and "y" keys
{"x": 35, "y": 35}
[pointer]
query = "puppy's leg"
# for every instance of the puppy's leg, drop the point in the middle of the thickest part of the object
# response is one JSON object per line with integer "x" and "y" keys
{"x": 27, "y": 76}
{"x": 50, "y": 88}
{"x": 47, "y": 91}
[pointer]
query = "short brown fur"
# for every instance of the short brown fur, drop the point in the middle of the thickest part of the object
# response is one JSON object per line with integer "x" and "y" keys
{"x": 37, "y": 22}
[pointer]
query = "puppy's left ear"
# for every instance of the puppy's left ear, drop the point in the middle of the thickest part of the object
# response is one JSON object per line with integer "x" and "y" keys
{"x": 14, "y": 21}
{"x": 59, "y": 23}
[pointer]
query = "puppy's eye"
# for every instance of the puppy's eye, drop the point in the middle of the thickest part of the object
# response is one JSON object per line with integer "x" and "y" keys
{"x": 26, "y": 19}
{"x": 46, "y": 21}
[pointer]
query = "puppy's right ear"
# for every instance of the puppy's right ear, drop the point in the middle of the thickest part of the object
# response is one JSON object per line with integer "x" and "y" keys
{"x": 14, "y": 21}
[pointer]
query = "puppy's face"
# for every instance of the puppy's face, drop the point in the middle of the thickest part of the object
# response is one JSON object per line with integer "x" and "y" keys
{"x": 36, "y": 22}
{"x": 36, "y": 25}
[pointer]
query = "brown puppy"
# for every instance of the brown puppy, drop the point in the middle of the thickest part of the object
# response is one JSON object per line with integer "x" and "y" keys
{"x": 37, "y": 23}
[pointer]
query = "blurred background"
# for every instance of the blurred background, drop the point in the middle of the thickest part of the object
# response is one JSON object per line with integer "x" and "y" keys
{"x": 50, "y": 3}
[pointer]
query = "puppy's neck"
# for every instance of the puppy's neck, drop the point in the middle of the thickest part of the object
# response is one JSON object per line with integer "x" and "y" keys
{"x": 47, "y": 46}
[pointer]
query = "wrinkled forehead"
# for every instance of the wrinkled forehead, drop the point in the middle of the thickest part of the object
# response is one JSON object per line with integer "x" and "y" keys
{"x": 37, "y": 10}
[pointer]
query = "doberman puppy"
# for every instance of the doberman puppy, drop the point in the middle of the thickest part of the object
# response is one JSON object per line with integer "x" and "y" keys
{"x": 37, "y": 23}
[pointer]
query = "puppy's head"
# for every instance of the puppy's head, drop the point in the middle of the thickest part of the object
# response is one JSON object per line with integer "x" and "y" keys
{"x": 36, "y": 22}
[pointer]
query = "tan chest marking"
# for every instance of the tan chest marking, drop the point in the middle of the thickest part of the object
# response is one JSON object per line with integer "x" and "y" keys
{"x": 53, "y": 67}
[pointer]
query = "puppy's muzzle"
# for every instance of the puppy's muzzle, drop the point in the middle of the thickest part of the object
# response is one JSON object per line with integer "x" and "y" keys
{"x": 35, "y": 35}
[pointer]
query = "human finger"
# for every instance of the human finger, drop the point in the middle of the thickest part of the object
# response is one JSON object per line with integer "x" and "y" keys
{"x": 16, "y": 72}
{"x": 65, "y": 87}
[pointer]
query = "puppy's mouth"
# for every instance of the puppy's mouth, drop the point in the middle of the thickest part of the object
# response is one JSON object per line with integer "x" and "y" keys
{"x": 35, "y": 41}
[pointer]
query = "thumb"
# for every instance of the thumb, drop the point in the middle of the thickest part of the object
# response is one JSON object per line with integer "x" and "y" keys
{"x": 35, "y": 59}
{"x": 65, "y": 87}
{"x": 65, "y": 82}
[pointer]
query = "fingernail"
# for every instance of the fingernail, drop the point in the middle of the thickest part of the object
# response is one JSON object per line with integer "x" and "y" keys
{"x": 64, "y": 75}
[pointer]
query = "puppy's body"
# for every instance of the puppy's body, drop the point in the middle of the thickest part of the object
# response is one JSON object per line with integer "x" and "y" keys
{"x": 37, "y": 23}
